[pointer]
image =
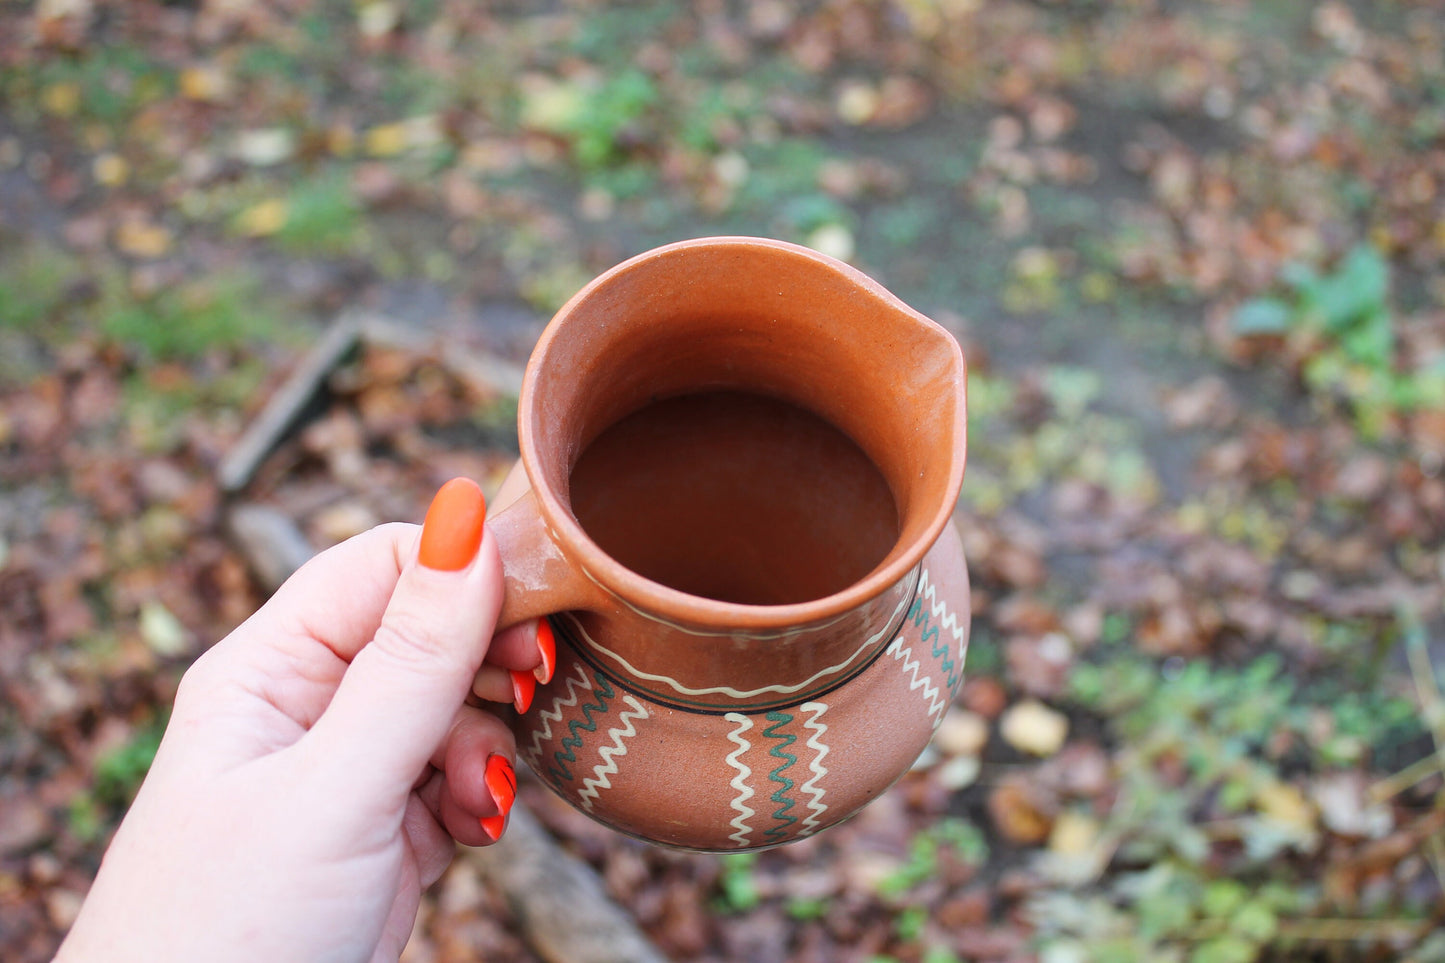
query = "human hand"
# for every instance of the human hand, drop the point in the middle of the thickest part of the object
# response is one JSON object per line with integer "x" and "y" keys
{"x": 320, "y": 761}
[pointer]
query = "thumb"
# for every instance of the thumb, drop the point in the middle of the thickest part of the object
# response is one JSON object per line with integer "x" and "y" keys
{"x": 399, "y": 695}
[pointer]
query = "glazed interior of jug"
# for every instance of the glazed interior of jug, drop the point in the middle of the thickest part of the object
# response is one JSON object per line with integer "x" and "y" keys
{"x": 745, "y": 421}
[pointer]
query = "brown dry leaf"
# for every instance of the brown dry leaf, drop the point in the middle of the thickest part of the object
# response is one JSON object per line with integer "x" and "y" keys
{"x": 985, "y": 696}
{"x": 24, "y": 822}
{"x": 1021, "y": 811}
{"x": 1039, "y": 666}
{"x": 1363, "y": 478}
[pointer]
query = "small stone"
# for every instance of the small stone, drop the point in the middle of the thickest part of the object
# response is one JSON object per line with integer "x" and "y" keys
{"x": 1034, "y": 728}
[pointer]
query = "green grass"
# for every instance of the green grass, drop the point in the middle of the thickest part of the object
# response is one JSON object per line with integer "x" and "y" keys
{"x": 33, "y": 282}
{"x": 187, "y": 320}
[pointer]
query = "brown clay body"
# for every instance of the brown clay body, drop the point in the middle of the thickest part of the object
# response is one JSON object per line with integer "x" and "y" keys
{"x": 743, "y": 457}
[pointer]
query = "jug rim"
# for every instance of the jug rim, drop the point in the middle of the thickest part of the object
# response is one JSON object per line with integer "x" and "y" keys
{"x": 657, "y": 600}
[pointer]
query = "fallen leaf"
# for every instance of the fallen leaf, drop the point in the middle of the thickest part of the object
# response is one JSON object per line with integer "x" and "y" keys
{"x": 961, "y": 733}
{"x": 205, "y": 83}
{"x": 834, "y": 240}
{"x": 1022, "y": 811}
{"x": 62, "y": 100}
{"x": 265, "y": 147}
{"x": 1346, "y": 810}
{"x": 24, "y": 822}
{"x": 1032, "y": 727}
{"x": 162, "y": 631}
{"x": 1074, "y": 834}
{"x": 142, "y": 239}
{"x": 109, "y": 170}
{"x": 336, "y": 523}
{"x": 857, "y": 102}
{"x": 1285, "y": 804}
{"x": 386, "y": 140}
{"x": 263, "y": 219}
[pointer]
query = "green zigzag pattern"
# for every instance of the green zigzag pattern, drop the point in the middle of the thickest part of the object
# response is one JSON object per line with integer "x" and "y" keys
{"x": 778, "y": 720}
{"x": 573, "y": 742}
{"x": 923, "y": 620}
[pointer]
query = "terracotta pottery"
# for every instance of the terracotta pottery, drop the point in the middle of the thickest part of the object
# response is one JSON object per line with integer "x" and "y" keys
{"x": 743, "y": 458}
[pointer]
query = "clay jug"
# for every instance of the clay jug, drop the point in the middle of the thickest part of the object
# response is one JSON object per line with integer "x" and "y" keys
{"x": 742, "y": 459}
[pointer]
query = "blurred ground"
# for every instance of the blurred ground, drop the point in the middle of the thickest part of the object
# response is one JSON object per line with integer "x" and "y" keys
{"x": 1195, "y": 253}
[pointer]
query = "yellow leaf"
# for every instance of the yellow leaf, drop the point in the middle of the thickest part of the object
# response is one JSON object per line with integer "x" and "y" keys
{"x": 263, "y": 219}
{"x": 1285, "y": 804}
{"x": 1074, "y": 834}
{"x": 1032, "y": 727}
{"x": 387, "y": 140}
{"x": 378, "y": 18}
{"x": 61, "y": 99}
{"x": 110, "y": 170}
{"x": 142, "y": 239}
{"x": 857, "y": 102}
{"x": 204, "y": 83}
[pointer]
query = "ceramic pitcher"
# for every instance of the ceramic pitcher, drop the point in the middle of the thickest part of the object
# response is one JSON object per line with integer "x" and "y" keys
{"x": 742, "y": 460}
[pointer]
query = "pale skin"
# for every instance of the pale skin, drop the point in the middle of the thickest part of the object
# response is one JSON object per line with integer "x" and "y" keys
{"x": 319, "y": 766}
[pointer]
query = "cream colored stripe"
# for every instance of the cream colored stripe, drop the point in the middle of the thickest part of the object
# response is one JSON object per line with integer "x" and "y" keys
{"x": 729, "y": 691}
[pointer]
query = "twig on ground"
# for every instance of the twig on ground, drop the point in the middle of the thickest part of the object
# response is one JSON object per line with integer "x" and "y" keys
{"x": 287, "y": 405}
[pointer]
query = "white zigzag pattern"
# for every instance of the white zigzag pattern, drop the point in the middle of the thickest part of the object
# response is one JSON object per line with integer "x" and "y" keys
{"x": 575, "y": 688}
{"x": 947, "y": 619}
{"x": 904, "y": 654}
{"x": 745, "y": 792}
{"x": 816, "y": 804}
{"x": 601, "y": 773}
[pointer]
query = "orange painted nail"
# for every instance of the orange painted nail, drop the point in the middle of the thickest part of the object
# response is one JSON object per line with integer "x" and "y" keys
{"x": 452, "y": 532}
{"x": 524, "y": 686}
{"x": 547, "y": 646}
{"x": 501, "y": 781}
{"x": 493, "y": 826}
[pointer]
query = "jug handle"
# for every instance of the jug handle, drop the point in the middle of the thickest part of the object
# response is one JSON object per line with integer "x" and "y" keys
{"x": 538, "y": 578}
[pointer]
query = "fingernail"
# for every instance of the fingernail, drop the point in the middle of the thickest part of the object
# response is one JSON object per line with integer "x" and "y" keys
{"x": 452, "y": 531}
{"x": 501, "y": 781}
{"x": 547, "y": 646}
{"x": 493, "y": 826}
{"x": 524, "y": 685}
